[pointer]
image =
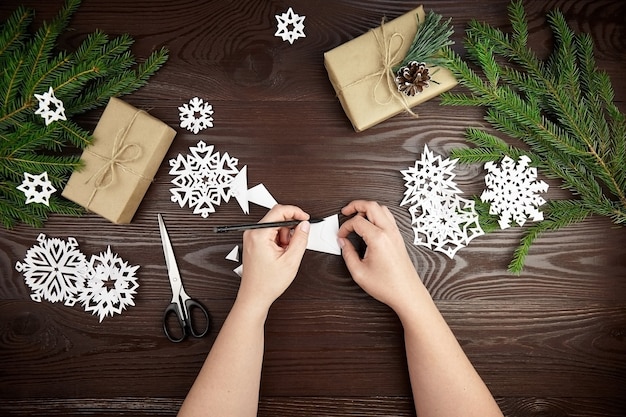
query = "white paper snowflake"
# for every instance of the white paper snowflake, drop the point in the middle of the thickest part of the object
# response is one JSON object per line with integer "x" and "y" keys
{"x": 431, "y": 175}
{"x": 196, "y": 115}
{"x": 446, "y": 224}
{"x": 441, "y": 219}
{"x": 290, "y": 26}
{"x": 202, "y": 179}
{"x": 512, "y": 191}
{"x": 54, "y": 270}
{"x": 110, "y": 285}
{"x": 50, "y": 107}
{"x": 37, "y": 188}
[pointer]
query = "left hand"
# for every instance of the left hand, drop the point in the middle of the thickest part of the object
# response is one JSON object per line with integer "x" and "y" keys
{"x": 271, "y": 257}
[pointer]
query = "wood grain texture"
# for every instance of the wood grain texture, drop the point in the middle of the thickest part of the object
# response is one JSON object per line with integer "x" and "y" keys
{"x": 551, "y": 341}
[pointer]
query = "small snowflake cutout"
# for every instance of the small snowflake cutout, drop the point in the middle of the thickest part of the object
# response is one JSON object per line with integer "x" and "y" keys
{"x": 196, "y": 115}
{"x": 512, "y": 191}
{"x": 54, "y": 270}
{"x": 202, "y": 179}
{"x": 110, "y": 285}
{"x": 290, "y": 26}
{"x": 50, "y": 107}
{"x": 37, "y": 188}
{"x": 441, "y": 219}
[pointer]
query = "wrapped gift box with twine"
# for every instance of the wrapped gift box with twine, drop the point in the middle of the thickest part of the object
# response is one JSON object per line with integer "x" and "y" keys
{"x": 361, "y": 72}
{"x": 128, "y": 147}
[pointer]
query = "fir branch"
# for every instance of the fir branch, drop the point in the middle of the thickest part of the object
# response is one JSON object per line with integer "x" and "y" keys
{"x": 561, "y": 109}
{"x": 431, "y": 37}
{"x": 12, "y": 32}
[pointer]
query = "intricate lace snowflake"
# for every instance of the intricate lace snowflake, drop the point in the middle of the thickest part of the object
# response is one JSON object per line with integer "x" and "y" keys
{"x": 110, "y": 285}
{"x": 441, "y": 219}
{"x": 290, "y": 26}
{"x": 50, "y": 107}
{"x": 446, "y": 224}
{"x": 512, "y": 190}
{"x": 37, "y": 188}
{"x": 202, "y": 179}
{"x": 196, "y": 115}
{"x": 54, "y": 270}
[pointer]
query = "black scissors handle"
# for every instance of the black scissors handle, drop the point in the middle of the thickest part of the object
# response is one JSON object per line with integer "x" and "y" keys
{"x": 186, "y": 323}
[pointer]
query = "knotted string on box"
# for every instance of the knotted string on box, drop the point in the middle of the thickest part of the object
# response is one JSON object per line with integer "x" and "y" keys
{"x": 389, "y": 58}
{"x": 121, "y": 154}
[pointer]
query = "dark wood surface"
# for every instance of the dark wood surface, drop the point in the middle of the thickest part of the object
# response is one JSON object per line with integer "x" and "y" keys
{"x": 550, "y": 342}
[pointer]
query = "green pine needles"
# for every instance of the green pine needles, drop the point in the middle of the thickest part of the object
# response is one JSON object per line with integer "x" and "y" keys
{"x": 83, "y": 80}
{"x": 561, "y": 110}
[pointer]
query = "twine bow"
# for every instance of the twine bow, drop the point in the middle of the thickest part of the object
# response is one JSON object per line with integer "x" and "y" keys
{"x": 389, "y": 57}
{"x": 121, "y": 154}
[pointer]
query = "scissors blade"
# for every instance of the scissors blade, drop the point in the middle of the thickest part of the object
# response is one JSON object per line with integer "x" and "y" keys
{"x": 170, "y": 262}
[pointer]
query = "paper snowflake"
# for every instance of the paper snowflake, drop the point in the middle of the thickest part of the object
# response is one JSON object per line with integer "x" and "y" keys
{"x": 50, "y": 107}
{"x": 446, "y": 224}
{"x": 202, "y": 179}
{"x": 290, "y": 26}
{"x": 54, "y": 270}
{"x": 512, "y": 191}
{"x": 110, "y": 285}
{"x": 431, "y": 175}
{"x": 37, "y": 188}
{"x": 196, "y": 115}
{"x": 441, "y": 219}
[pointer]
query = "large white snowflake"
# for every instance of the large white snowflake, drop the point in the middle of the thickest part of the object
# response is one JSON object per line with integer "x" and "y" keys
{"x": 54, "y": 270}
{"x": 441, "y": 219}
{"x": 50, "y": 107}
{"x": 196, "y": 115}
{"x": 290, "y": 26}
{"x": 37, "y": 188}
{"x": 202, "y": 178}
{"x": 110, "y": 285}
{"x": 512, "y": 191}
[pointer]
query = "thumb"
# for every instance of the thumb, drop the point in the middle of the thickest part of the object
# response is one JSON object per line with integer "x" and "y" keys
{"x": 300, "y": 238}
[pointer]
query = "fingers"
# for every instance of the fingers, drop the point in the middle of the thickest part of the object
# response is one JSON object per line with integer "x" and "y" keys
{"x": 283, "y": 212}
{"x": 374, "y": 212}
{"x": 350, "y": 255}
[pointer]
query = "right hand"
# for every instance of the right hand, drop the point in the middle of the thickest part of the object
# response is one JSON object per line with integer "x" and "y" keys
{"x": 385, "y": 272}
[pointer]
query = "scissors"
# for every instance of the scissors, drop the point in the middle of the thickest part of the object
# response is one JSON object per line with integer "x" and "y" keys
{"x": 182, "y": 305}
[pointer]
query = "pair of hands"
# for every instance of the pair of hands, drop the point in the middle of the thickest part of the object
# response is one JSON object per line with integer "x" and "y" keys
{"x": 272, "y": 257}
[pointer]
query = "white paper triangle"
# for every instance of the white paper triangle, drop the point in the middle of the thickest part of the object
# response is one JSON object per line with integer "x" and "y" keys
{"x": 239, "y": 189}
{"x": 233, "y": 255}
{"x": 260, "y": 196}
{"x": 323, "y": 236}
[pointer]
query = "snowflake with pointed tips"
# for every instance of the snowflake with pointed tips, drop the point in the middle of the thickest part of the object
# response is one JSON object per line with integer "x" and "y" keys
{"x": 290, "y": 26}
{"x": 50, "y": 108}
{"x": 37, "y": 188}
{"x": 110, "y": 285}
{"x": 196, "y": 115}
{"x": 445, "y": 224}
{"x": 512, "y": 189}
{"x": 54, "y": 270}
{"x": 441, "y": 219}
{"x": 202, "y": 179}
{"x": 431, "y": 175}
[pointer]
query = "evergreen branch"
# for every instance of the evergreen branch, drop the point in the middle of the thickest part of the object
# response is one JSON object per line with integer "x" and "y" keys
{"x": 560, "y": 213}
{"x": 431, "y": 37}
{"x": 12, "y": 32}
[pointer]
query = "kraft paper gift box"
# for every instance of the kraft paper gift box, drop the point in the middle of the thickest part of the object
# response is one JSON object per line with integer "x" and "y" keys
{"x": 360, "y": 72}
{"x": 127, "y": 149}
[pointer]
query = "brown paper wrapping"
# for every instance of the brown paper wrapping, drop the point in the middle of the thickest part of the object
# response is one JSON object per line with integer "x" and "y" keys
{"x": 128, "y": 147}
{"x": 358, "y": 72}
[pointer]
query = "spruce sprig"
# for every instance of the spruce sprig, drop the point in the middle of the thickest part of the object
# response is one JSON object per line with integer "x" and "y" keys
{"x": 431, "y": 37}
{"x": 560, "y": 109}
{"x": 83, "y": 80}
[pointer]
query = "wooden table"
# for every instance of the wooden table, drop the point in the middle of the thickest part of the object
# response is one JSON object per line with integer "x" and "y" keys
{"x": 551, "y": 341}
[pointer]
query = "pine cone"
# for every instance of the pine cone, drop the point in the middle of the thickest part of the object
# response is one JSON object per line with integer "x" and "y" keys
{"x": 412, "y": 78}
